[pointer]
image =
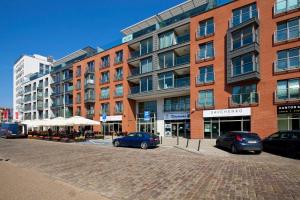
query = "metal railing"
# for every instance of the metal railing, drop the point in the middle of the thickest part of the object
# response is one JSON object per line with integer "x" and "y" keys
{"x": 104, "y": 64}
{"x": 242, "y": 17}
{"x": 244, "y": 99}
{"x": 287, "y": 34}
{"x": 288, "y": 94}
{"x": 179, "y": 82}
{"x": 89, "y": 97}
{"x": 285, "y": 6}
{"x": 286, "y": 64}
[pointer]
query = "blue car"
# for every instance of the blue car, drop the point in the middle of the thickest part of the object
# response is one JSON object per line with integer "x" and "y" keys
{"x": 139, "y": 139}
{"x": 238, "y": 141}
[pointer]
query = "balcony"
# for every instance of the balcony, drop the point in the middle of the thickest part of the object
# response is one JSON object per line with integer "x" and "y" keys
{"x": 69, "y": 89}
{"x": 89, "y": 98}
{"x": 118, "y": 77}
{"x": 89, "y": 70}
{"x": 244, "y": 99}
{"x": 40, "y": 96}
{"x": 182, "y": 39}
{"x": 78, "y": 73}
{"x": 40, "y": 86}
{"x": 27, "y": 99}
{"x": 67, "y": 77}
{"x": 287, "y": 95}
{"x": 287, "y": 64}
{"x": 89, "y": 84}
{"x": 69, "y": 102}
{"x": 40, "y": 106}
{"x": 241, "y": 18}
{"x": 244, "y": 72}
{"x": 90, "y": 114}
{"x": 104, "y": 64}
{"x": 287, "y": 34}
{"x": 105, "y": 111}
{"x": 207, "y": 78}
{"x": 104, "y": 80}
{"x": 78, "y": 113}
{"x": 135, "y": 90}
{"x": 178, "y": 83}
{"x": 284, "y": 6}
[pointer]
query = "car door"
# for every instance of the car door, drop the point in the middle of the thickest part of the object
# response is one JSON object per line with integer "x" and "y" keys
{"x": 128, "y": 140}
{"x": 271, "y": 142}
{"x": 139, "y": 138}
{"x": 226, "y": 140}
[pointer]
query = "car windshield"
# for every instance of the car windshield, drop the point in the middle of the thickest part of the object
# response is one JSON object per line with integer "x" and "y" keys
{"x": 131, "y": 135}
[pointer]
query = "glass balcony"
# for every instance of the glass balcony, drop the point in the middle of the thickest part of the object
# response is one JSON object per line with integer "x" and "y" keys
{"x": 287, "y": 94}
{"x": 206, "y": 103}
{"x": 89, "y": 70}
{"x": 118, "y": 77}
{"x": 244, "y": 99}
{"x": 238, "y": 19}
{"x": 287, "y": 34}
{"x": 183, "y": 38}
{"x": 181, "y": 60}
{"x": 282, "y": 6}
{"x": 182, "y": 82}
{"x": 118, "y": 60}
{"x": 105, "y": 111}
{"x": 205, "y": 55}
{"x": 67, "y": 77}
{"x": 286, "y": 64}
{"x": 135, "y": 90}
{"x": 89, "y": 97}
{"x": 244, "y": 69}
{"x": 40, "y": 106}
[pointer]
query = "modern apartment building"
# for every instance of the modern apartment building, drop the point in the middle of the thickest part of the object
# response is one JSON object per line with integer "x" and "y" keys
{"x": 62, "y": 84}
{"x": 37, "y": 102}
{"x": 24, "y": 66}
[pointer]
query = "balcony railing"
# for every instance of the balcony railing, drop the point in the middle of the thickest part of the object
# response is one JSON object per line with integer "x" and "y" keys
{"x": 90, "y": 113}
{"x": 181, "y": 60}
{"x": 78, "y": 73}
{"x": 118, "y": 60}
{"x": 287, "y": 34}
{"x": 118, "y": 77}
{"x": 182, "y": 38}
{"x": 285, "y": 6}
{"x": 288, "y": 94}
{"x": 135, "y": 90}
{"x": 67, "y": 77}
{"x": 27, "y": 99}
{"x": 238, "y": 19}
{"x": 118, "y": 94}
{"x": 104, "y": 64}
{"x": 104, "y": 96}
{"x": 206, "y": 78}
{"x": 40, "y": 106}
{"x": 105, "y": 111}
{"x": 287, "y": 64}
{"x": 206, "y": 55}
{"x": 104, "y": 80}
{"x": 244, "y": 99}
{"x": 89, "y": 97}
{"x": 244, "y": 69}
{"x": 89, "y": 70}
{"x": 204, "y": 31}
{"x": 180, "y": 82}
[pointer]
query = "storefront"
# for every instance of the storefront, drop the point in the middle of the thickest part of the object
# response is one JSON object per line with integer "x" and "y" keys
{"x": 288, "y": 117}
{"x": 218, "y": 122}
{"x": 177, "y": 124}
{"x": 112, "y": 124}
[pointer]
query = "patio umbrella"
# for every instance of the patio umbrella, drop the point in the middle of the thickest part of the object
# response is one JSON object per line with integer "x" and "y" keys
{"x": 81, "y": 121}
{"x": 58, "y": 121}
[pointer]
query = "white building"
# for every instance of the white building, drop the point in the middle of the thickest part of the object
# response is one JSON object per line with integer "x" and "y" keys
{"x": 23, "y": 67}
{"x": 37, "y": 102}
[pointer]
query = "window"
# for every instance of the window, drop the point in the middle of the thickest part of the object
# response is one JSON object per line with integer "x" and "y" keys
{"x": 166, "y": 80}
{"x": 146, "y": 65}
{"x": 206, "y": 28}
{"x": 244, "y": 64}
{"x": 287, "y": 30}
{"x": 206, "y": 98}
{"x": 243, "y": 14}
{"x": 119, "y": 57}
{"x": 78, "y": 84}
{"x": 150, "y": 106}
{"x": 167, "y": 39}
{"x": 104, "y": 94}
{"x": 289, "y": 122}
{"x": 91, "y": 66}
{"x": 288, "y": 59}
{"x": 206, "y": 51}
{"x": 119, "y": 90}
{"x": 105, "y": 77}
{"x": 119, "y": 107}
{"x": 245, "y": 94}
{"x": 288, "y": 89}
{"x": 41, "y": 69}
{"x": 146, "y": 46}
{"x": 78, "y": 98}
{"x": 119, "y": 74}
{"x": 177, "y": 104}
{"x": 78, "y": 71}
{"x": 105, "y": 108}
{"x": 47, "y": 69}
{"x": 146, "y": 84}
{"x": 46, "y": 82}
{"x": 46, "y": 93}
{"x": 286, "y": 5}
{"x": 78, "y": 112}
{"x": 105, "y": 61}
{"x": 206, "y": 75}
{"x": 242, "y": 37}
{"x": 166, "y": 59}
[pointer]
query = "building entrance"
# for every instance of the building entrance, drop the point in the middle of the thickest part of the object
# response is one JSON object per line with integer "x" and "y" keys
{"x": 146, "y": 125}
{"x": 111, "y": 127}
{"x": 178, "y": 128}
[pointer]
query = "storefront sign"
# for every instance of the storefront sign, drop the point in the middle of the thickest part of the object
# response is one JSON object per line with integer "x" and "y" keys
{"x": 104, "y": 117}
{"x": 111, "y": 118}
{"x": 227, "y": 112}
{"x": 176, "y": 116}
{"x": 147, "y": 116}
{"x": 288, "y": 109}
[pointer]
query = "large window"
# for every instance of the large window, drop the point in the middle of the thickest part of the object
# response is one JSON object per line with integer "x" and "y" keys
{"x": 150, "y": 106}
{"x": 206, "y": 51}
{"x": 288, "y": 89}
{"x": 245, "y": 94}
{"x": 243, "y": 14}
{"x": 287, "y": 30}
{"x": 177, "y": 104}
{"x": 244, "y": 64}
{"x": 206, "y": 75}
{"x": 288, "y": 122}
{"x": 206, "y": 98}
{"x": 146, "y": 65}
{"x": 105, "y": 61}
{"x": 119, "y": 107}
{"x": 242, "y": 37}
{"x": 105, "y": 77}
{"x": 166, "y": 59}
{"x": 119, "y": 73}
{"x": 104, "y": 94}
{"x": 105, "y": 108}
{"x": 286, "y": 5}
{"x": 167, "y": 39}
{"x": 78, "y": 85}
{"x": 146, "y": 84}
{"x": 119, "y": 57}
{"x": 146, "y": 46}
{"x": 206, "y": 28}
{"x": 288, "y": 59}
{"x": 166, "y": 80}
{"x": 91, "y": 66}
{"x": 119, "y": 90}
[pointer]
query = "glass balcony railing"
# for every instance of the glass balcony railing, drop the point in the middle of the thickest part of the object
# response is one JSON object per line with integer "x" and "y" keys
{"x": 183, "y": 38}
{"x": 89, "y": 97}
{"x": 205, "y": 55}
{"x": 104, "y": 64}
{"x": 104, "y": 96}
{"x": 135, "y": 90}
{"x": 238, "y": 19}
{"x": 286, "y": 64}
{"x": 244, "y": 69}
{"x": 244, "y": 99}
{"x": 282, "y": 6}
{"x": 287, "y": 34}
{"x": 205, "y": 78}
{"x": 206, "y": 103}
{"x": 182, "y": 82}
{"x": 287, "y": 94}
{"x": 181, "y": 60}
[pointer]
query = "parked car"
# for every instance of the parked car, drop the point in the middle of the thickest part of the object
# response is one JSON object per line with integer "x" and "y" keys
{"x": 139, "y": 139}
{"x": 283, "y": 142}
{"x": 238, "y": 141}
{"x": 11, "y": 130}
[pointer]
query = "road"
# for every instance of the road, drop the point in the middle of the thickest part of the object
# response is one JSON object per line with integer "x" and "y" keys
{"x": 162, "y": 173}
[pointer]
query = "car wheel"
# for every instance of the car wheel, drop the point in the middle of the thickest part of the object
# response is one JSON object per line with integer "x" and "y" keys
{"x": 233, "y": 149}
{"x": 144, "y": 145}
{"x": 116, "y": 144}
{"x": 218, "y": 143}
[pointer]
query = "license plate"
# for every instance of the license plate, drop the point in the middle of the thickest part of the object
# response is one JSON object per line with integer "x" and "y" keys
{"x": 251, "y": 142}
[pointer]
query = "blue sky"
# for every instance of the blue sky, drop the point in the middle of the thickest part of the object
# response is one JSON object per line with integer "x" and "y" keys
{"x": 59, "y": 27}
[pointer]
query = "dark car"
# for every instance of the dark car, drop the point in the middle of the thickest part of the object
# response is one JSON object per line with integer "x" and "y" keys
{"x": 139, "y": 139}
{"x": 283, "y": 142}
{"x": 11, "y": 130}
{"x": 238, "y": 141}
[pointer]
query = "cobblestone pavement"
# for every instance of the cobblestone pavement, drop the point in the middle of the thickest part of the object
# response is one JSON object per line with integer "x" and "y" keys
{"x": 162, "y": 173}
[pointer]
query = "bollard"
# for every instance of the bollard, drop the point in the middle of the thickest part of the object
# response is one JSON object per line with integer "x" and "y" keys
{"x": 160, "y": 139}
{"x": 177, "y": 140}
{"x": 199, "y": 145}
{"x": 187, "y": 143}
